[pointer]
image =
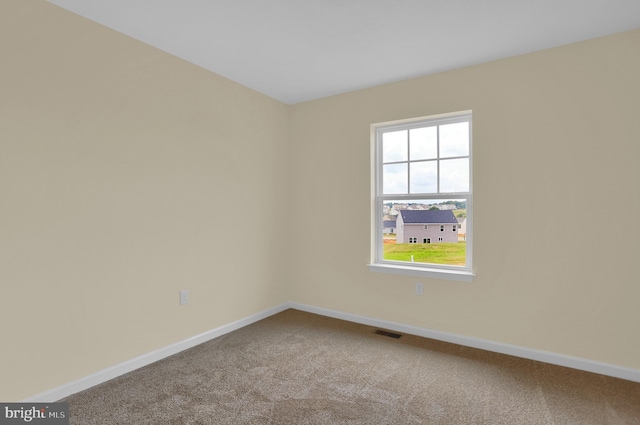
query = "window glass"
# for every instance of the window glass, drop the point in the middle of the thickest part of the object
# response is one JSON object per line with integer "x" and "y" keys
{"x": 454, "y": 140}
{"x": 454, "y": 175}
{"x": 394, "y": 178}
{"x": 424, "y": 177}
{"x": 394, "y": 146}
{"x": 423, "y": 143}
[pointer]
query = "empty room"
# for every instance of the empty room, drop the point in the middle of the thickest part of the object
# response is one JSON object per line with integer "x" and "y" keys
{"x": 320, "y": 212}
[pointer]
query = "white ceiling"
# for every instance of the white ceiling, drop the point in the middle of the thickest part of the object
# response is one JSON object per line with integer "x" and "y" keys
{"x": 298, "y": 50}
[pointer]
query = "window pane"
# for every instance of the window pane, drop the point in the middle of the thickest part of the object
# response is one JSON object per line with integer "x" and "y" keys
{"x": 394, "y": 146}
{"x": 417, "y": 237}
{"x": 423, "y": 143}
{"x": 424, "y": 177}
{"x": 454, "y": 175}
{"x": 454, "y": 140}
{"x": 394, "y": 178}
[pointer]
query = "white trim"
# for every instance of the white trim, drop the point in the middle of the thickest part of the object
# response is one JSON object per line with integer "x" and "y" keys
{"x": 454, "y": 116}
{"x": 445, "y": 274}
{"x": 483, "y": 344}
{"x": 109, "y": 373}
{"x": 512, "y": 350}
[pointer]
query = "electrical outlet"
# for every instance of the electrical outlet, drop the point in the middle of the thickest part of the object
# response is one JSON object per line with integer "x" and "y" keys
{"x": 419, "y": 289}
{"x": 184, "y": 297}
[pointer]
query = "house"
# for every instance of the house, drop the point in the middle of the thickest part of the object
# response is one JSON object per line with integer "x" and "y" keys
{"x": 388, "y": 226}
{"x": 446, "y": 206}
{"x": 118, "y": 161}
{"x": 426, "y": 226}
{"x": 462, "y": 228}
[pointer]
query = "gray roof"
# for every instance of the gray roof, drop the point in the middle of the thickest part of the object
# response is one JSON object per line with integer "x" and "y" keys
{"x": 388, "y": 223}
{"x": 428, "y": 216}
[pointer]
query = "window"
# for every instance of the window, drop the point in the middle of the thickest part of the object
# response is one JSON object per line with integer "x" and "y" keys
{"x": 422, "y": 171}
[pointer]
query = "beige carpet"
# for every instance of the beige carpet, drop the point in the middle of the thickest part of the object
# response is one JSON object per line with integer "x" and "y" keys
{"x": 300, "y": 368}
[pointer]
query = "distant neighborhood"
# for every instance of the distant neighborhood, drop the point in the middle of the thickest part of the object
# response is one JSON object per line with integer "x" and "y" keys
{"x": 425, "y": 223}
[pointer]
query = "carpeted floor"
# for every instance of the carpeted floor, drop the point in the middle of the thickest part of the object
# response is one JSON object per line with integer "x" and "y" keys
{"x": 300, "y": 368}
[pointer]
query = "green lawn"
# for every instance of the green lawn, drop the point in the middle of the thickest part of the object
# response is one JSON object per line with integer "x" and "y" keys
{"x": 452, "y": 253}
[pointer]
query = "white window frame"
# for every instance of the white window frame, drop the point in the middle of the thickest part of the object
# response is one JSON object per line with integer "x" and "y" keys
{"x": 378, "y": 264}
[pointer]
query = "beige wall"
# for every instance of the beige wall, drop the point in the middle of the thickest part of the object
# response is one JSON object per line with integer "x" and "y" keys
{"x": 122, "y": 173}
{"x": 557, "y": 146}
{"x": 120, "y": 165}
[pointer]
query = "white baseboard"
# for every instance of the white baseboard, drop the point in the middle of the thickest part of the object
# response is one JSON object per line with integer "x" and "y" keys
{"x": 148, "y": 358}
{"x": 513, "y": 350}
{"x": 497, "y": 347}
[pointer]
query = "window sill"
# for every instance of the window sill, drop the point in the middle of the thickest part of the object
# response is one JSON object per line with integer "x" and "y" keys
{"x": 458, "y": 275}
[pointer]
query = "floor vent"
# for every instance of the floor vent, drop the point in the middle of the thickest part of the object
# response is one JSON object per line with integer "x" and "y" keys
{"x": 387, "y": 333}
